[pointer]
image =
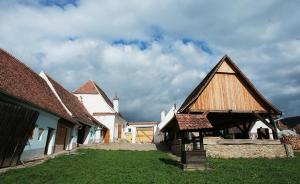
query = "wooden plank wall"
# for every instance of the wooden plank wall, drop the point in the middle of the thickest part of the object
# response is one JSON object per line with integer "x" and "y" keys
{"x": 226, "y": 92}
{"x": 16, "y": 124}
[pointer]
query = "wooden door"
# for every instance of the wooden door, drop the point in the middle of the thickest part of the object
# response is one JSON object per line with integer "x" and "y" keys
{"x": 144, "y": 135}
{"x": 119, "y": 131}
{"x": 60, "y": 139}
{"x": 106, "y": 136}
{"x": 16, "y": 125}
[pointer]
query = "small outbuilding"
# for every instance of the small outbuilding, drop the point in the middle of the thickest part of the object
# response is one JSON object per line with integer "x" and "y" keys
{"x": 141, "y": 132}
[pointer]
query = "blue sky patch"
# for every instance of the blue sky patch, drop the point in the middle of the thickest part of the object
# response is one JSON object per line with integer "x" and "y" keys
{"x": 59, "y": 3}
{"x": 157, "y": 33}
{"x": 198, "y": 43}
{"x": 143, "y": 45}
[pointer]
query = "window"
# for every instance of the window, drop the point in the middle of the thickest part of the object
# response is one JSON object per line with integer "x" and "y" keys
{"x": 129, "y": 129}
{"x": 41, "y": 131}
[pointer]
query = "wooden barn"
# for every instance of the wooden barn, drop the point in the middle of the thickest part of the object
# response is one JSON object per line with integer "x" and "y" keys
{"x": 224, "y": 102}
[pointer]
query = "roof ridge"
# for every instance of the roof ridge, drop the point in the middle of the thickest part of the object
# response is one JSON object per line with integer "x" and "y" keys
{"x": 55, "y": 92}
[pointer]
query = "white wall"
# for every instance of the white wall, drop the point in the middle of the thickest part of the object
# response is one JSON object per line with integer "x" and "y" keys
{"x": 94, "y": 103}
{"x": 259, "y": 124}
{"x": 109, "y": 122}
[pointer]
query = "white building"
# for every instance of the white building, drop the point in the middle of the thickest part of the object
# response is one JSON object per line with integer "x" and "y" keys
{"x": 89, "y": 129}
{"x": 101, "y": 107}
{"x": 165, "y": 119}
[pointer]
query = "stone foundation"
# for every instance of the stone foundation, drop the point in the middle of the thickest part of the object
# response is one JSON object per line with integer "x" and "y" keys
{"x": 241, "y": 148}
{"x": 246, "y": 151}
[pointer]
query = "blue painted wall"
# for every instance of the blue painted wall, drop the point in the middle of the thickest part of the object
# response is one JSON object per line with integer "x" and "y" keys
{"x": 35, "y": 147}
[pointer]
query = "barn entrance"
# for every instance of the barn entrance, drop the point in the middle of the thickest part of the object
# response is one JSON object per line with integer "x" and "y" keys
{"x": 144, "y": 135}
{"x": 16, "y": 124}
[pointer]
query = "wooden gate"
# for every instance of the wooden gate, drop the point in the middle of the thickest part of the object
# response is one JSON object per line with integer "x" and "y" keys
{"x": 144, "y": 135}
{"x": 16, "y": 124}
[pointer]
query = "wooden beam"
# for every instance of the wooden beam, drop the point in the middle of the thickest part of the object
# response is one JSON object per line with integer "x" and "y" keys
{"x": 263, "y": 120}
{"x": 205, "y": 113}
{"x": 226, "y": 111}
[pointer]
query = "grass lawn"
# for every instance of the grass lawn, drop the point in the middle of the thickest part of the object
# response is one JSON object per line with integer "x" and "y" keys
{"x": 100, "y": 166}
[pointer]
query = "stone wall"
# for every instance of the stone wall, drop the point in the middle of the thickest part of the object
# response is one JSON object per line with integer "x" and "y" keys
{"x": 240, "y": 148}
{"x": 246, "y": 151}
{"x": 294, "y": 141}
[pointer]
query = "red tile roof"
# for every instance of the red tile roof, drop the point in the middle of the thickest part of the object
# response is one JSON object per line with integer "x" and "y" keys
{"x": 72, "y": 103}
{"x": 192, "y": 122}
{"x": 90, "y": 87}
{"x": 19, "y": 81}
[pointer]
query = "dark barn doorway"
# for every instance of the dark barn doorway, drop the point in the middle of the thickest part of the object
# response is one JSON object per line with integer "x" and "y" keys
{"x": 49, "y": 136}
{"x": 16, "y": 125}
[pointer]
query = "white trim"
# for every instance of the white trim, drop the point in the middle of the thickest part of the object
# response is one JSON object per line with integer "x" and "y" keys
{"x": 44, "y": 76}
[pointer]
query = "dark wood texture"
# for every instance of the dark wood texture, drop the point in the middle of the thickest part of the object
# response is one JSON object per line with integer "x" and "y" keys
{"x": 16, "y": 124}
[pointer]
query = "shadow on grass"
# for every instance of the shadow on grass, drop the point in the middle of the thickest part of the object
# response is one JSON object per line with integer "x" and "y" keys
{"x": 162, "y": 147}
{"x": 169, "y": 162}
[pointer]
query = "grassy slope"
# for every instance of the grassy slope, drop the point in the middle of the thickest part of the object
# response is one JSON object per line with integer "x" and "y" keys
{"x": 99, "y": 166}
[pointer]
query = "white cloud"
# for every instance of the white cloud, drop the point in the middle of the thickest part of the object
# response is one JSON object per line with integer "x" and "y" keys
{"x": 74, "y": 44}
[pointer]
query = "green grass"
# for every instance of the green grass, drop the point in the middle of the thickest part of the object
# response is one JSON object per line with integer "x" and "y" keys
{"x": 99, "y": 166}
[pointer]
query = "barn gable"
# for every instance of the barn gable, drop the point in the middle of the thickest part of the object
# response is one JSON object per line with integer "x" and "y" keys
{"x": 226, "y": 88}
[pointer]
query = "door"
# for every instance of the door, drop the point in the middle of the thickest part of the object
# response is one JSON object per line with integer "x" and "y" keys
{"x": 60, "y": 139}
{"x": 144, "y": 135}
{"x": 106, "y": 136}
{"x": 263, "y": 133}
{"x": 49, "y": 137}
{"x": 119, "y": 132}
{"x": 16, "y": 125}
{"x": 81, "y": 135}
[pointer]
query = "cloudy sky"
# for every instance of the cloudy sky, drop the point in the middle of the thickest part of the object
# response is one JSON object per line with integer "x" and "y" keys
{"x": 153, "y": 53}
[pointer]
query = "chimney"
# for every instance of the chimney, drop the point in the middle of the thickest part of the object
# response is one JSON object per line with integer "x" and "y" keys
{"x": 162, "y": 115}
{"x": 116, "y": 103}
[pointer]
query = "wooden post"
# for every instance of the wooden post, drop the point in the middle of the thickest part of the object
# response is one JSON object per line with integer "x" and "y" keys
{"x": 275, "y": 133}
{"x": 201, "y": 140}
{"x": 183, "y": 141}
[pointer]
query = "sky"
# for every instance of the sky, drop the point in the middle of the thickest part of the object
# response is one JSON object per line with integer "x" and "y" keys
{"x": 153, "y": 53}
